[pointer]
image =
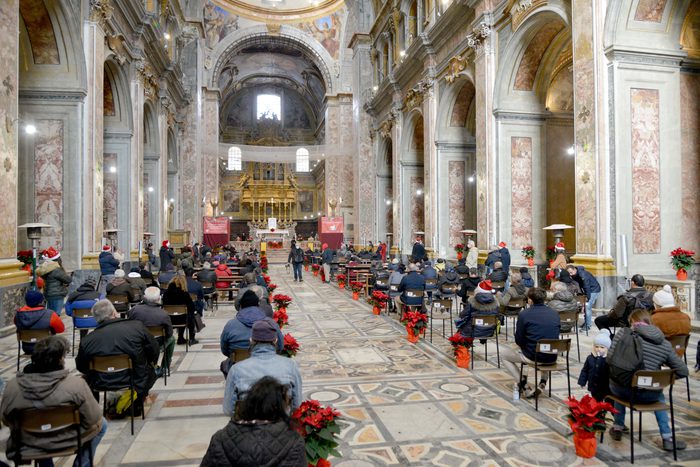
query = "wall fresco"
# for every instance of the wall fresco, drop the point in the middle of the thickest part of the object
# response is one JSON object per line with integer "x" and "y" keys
{"x": 48, "y": 180}
{"x": 690, "y": 159}
{"x": 40, "y": 31}
{"x": 530, "y": 63}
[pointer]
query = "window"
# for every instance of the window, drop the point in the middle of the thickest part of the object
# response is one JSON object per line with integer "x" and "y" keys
{"x": 302, "y": 160}
{"x": 234, "y": 158}
{"x": 269, "y": 106}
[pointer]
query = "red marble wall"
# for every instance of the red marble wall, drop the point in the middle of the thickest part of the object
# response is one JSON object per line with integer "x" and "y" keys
{"x": 109, "y": 206}
{"x": 457, "y": 188}
{"x": 521, "y": 196}
{"x": 48, "y": 180}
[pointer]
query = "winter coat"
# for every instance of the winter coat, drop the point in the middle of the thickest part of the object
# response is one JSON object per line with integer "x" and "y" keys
{"x": 429, "y": 272}
{"x": 49, "y": 389}
{"x": 514, "y": 292}
{"x": 174, "y": 295}
{"x": 526, "y": 279}
{"x": 596, "y": 374}
{"x": 164, "y": 277}
{"x": 264, "y": 302}
{"x": 559, "y": 262}
{"x": 327, "y": 256}
{"x": 418, "y": 252}
{"x": 166, "y": 257}
{"x": 479, "y": 304}
{"x": 137, "y": 282}
{"x": 118, "y": 336}
{"x": 563, "y": 302}
{"x": 625, "y": 301}
{"x": 37, "y": 318}
{"x": 108, "y": 263}
{"x": 88, "y": 322}
{"x": 120, "y": 286}
{"x": 492, "y": 257}
{"x": 411, "y": 281}
{"x": 450, "y": 277}
{"x": 152, "y": 315}
{"x": 84, "y": 292}
{"x": 505, "y": 258}
{"x": 57, "y": 281}
{"x": 472, "y": 259}
{"x": 498, "y": 275}
{"x": 671, "y": 320}
{"x": 469, "y": 284}
{"x": 186, "y": 260}
{"x": 236, "y": 333}
{"x": 462, "y": 268}
{"x": 588, "y": 283}
{"x": 245, "y": 444}
{"x": 223, "y": 271}
{"x": 206, "y": 275}
{"x": 535, "y": 323}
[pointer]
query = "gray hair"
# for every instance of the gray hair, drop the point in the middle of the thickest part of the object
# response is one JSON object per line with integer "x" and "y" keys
{"x": 151, "y": 295}
{"x": 515, "y": 278}
{"x": 497, "y": 265}
{"x": 259, "y": 291}
{"x": 103, "y": 310}
{"x": 250, "y": 278}
{"x": 559, "y": 287}
{"x": 413, "y": 267}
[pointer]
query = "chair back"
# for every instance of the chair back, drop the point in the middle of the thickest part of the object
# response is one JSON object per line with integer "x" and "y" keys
{"x": 157, "y": 331}
{"x": 450, "y": 288}
{"x": 118, "y": 299}
{"x": 414, "y": 293}
{"x": 463, "y": 276}
{"x": 441, "y": 304}
{"x": 111, "y": 363}
{"x": 679, "y": 343}
{"x": 47, "y": 420}
{"x": 653, "y": 380}
{"x": 207, "y": 285}
{"x": 581, "y": 299}
{"x": 430, "y": 283}
{"x": 498, "y": 285}
{"x": 394, "y": 287}
{"x": 553, "y": 346}
{"x": 569, "y": 317}
{"x": 82, "y": 313}
{"x": 484, "y": 320}
{"x": 239, "y": 355}
{"x": 32, "y": 335}
{"x": 175, "y": 310}
{"x": 382, "y": 282}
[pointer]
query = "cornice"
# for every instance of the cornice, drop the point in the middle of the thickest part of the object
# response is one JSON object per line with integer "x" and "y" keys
{"x": 63, "y": 95}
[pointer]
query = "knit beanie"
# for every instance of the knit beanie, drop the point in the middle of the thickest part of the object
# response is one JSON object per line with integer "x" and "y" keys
{"x": 33, "y": 298}
{"x": 249, "y": 298}
{"x": 263, "y": 330}
{"x": 119, "y": 273}
{"x": 664, "y": 297}
{"x": 603, "y": 338}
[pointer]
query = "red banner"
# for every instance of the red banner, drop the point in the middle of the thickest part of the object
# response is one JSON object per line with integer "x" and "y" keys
{"x": 216, "y": 225}
{"x": 331, "y": 225}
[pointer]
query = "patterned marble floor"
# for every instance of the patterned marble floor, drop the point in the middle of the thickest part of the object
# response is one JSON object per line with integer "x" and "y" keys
{"x": 403, "y": 404}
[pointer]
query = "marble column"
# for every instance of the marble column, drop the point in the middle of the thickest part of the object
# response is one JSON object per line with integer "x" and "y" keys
{"x": 364, "y": 162}
{"x": 133, "y": 179}
{"x": 191, "y": 190}
{"x": 430, "y": 168}
{"x": 398, "y": 182}
{"x": 210, "y": 147}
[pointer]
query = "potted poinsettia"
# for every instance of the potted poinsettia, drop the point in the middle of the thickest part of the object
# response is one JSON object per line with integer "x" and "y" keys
{"x": 280, "y": 316}
{"x": 319, "y": 427}
{"x": 416, "y": 323}
{"x": 341, "y": 278}
{"x": 315, "y": 268}
{"x": 291, "y": 346}
{"x": 460, "y": 346}
{"x": 682, "y": 261}
{"x": 271, "y": 288}
{"x": 356, "y": 288}
{"x": 550, "y": 254}
{"x": 586, "y": 418}
{"x": 378, "y": 301}
{"x": 267, "y": 279}
{"x": 528, "y": 253}
{"x": 459, "y": 248}
{"x": 281, "y": 301}
{"x": 263, "y": 262}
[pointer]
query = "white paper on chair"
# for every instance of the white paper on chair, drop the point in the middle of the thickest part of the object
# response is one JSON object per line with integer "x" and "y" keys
{"x": 479, "y": 322}
{"x": 644, "y": 381}
{"x": 545, "y": 348}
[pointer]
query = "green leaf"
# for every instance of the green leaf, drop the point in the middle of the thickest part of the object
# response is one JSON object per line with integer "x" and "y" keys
{"x": 310, "y": 450}
{"x": 335, "y": 453}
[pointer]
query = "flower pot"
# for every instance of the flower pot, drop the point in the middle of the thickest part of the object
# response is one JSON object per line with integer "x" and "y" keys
{"x": 282, "y": 309}
{"x": 315, "y": 272}
{"x": 681, "y": 274}
{"x": 376, "y": 310}
{"x": 585, "y": 445}
{"x": 459, "y": 255}
{"x": 356, "y": 295}
{"x": 531, "y": 262}
{"x": 462, "y": 356}
{"x": 341, "y": 285}
{"x": 321, "y": 463}
{"x": 306, "y": 267}
{"x": 412, "y": 336}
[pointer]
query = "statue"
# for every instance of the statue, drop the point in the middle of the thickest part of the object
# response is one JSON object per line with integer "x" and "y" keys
{"x": 243, "y": 181}
{"x": 292, "y": 181}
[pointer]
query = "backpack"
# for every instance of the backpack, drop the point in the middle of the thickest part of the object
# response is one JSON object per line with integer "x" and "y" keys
{"x": 298, "y": 255}
{"x": 638, "y": 301}
{"x": 627, "y": 357}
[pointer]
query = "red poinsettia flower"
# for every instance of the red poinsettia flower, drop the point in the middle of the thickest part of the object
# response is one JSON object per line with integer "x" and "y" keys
{"x": 357, "y": 286}
{"x": 282, "y": 301}
{"x": 291, "y": 346}
{"x": 588, "y": 415}
{"x": 271, "y": 288}
{"x": 280, "y": 316}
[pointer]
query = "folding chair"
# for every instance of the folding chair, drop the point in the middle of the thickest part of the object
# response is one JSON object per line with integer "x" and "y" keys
{"x": 212, "y": 298}
{"x": 442, "y": 306}
{"x": 81, "y": 320}
{"x": 571, "y": 318}
{"x": 47, "y": 421}
{"x": 29, "y": 336}
{"x": 430, "y": 288}
{"x": 393, "y": 293}
{"x": 680, "y": 345}
{"x": 113, "y": 364}
{"x": 121, "y": 303}
{"x": 414, "y": 293}
{"x": 486, "y": 320}
{"x": 648, "y": 380}
{"x": 449, "y": 291}
{"x": 512, "y": 310}
{"x": 159, "y": 331}
{"x": 550, "y": 347}
{"x": 177, "y": 311}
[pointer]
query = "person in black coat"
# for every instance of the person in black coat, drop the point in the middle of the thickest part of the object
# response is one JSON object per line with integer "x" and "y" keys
{"x": 166, "y": 255}
{"x": 177, "y": 294}
{"x": 595, "y": 371}
{"x": 86, "y": 291}
{"x": 259, "y": 435}
{"x": 493, "y": 256}
{"x": 115, "y": 336}
{"x": 505, "y": 256}
{"x": 590, "y": 287}
{"x": 418, "y": 251}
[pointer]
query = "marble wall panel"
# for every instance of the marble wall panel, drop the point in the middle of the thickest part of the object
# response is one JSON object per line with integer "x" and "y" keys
{"x": 521, "y": 197}
{"x": 646, "y": 216}
{"x": 650, "y": 10}
{"x": 110, "y": 200}
{"x": 389, "y": 209}
{"x": 690, "y": 159}
{"x": 188, "y": 185}
{"x": 417, "y": 220}
{"x": 40, "y": 31}
{"x": 9, "y": 18}
{"x": 457, "y": 189}
{"x": 530, "y": 63}
{"x": 147, "y": 198}
{"x": 346, "y": 175}
{"x": 48, "y": 180}
{"x": 462, "y": 104}
{"x": 482, "y": 208}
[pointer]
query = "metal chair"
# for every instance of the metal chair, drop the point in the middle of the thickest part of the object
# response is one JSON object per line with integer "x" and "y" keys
{"x": 680, "y": 345}
{"x": 571, "y": 317}
{"x": 393, "y": 293}
{"x": 443, "y": 306}
{"x": 486, "y": 320}
{"x": 498, "y": 286}
{"x": 81, "y": 314}
{"x": 47, "y": 421}
{"x": 29, "y": 336}
{"x": 160, "y": 331}
{"x": 556, "y": 347}
{"x": 211, "y": 298}
{"x": 648, "y": 380}
{"x": 449, "y": 291}
{"x": 512, "y": 310}
{"x": 414, "y": 293}
{"x": 430, "y": 288}
{"x": 177, "y": 311}
{"x": 121, "y": 303}
{"x": 111, "y": 364}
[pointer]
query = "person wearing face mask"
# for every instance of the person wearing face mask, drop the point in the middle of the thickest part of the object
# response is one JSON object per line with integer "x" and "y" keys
{"x": 595, "y": 371}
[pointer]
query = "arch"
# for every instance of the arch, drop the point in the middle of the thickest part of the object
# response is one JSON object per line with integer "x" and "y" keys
{"x": 151, "y": 138}
{"x": 453, "y": 109}
{"x": 385, "y": 190}
{"x": 242, "y": 38}
{"x": 411, "y": 147}
{"x": 302, "y": 160}
{"x": 117, "y": 113}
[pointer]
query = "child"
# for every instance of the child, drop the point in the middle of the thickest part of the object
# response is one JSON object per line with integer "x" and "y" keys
{"x": 595, "y": 371}
{"x": 526, "y": 278}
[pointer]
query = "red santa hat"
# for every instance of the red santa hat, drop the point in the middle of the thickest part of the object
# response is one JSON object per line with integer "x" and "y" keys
{"x": 484, "y": 287}
{"x": 51, "y": 254}
{"x": 106, "y": 248}
{"x": 502, "y": 244}
{"x": 559, "y": 246}
{"x": 165, "y": 243}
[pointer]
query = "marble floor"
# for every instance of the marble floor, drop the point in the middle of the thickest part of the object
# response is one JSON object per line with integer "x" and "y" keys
{"x": 402, "y": 404}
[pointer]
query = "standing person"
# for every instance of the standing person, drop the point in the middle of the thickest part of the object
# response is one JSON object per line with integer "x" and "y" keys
{"x": 472, "y": 260}
{"x": 55, "y": 278}
{"x": 595, "y": 371}
{"x": 491, "y": 259}
{"x": 45, "y": 382}
{"x": 177, "y": 294}
{"x": 656, "y": 352}
{"x": 326, "y": 260}
{"x": 35, "y": 316}
{"x": 108, "y": 264}
{"x": 559, "y": 262}
{"x": 590, "y": 287}
{"x": 505, "y": 256}
{"x": 418, "y": 251}
{"x": 296, "y": 258}
{"x": 166, "y": 255}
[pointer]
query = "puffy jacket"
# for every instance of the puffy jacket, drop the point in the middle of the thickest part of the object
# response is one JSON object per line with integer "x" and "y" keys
{"x": 505, "y": 259}
{"x": 498, "y": 275}
{"x": 479, "y": 304}
{"x": 108, "y": 263}
{"x": 656, "y": 350}
{"x": 206, "y": 275}
{"x": 236, "y": 333}
{"x": 492, "y": 257}
{"x": 245, "y": 444}
{"x": 411, "y": 281}
{"x": 535, "y": 323}
{"x": 671, "y": 320}
{"x": 514, "y": 292}
{"x": 563, "y": 302}
{"x": 166, "y": 257}
{"x": 526, "y": 279}
{"x": 118, "y": 336}
{"x": 429, "y": 272}
{"x": 469, "y": 284}
{"x": 588, "y": 283}
{"x": 57, "y": 281}
{"x": 50, "y": 389}
{"x": 37, "y": 318}
{"x": 418, "y": 252}
{"x": 223, "y": 271}
{"x": 119, "y": 286}
{"x": 84, "y": 292}
{"x": 186, "y": 260}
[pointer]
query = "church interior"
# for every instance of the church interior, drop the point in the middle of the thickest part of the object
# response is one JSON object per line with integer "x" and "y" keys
{"x": 530, "y": 123}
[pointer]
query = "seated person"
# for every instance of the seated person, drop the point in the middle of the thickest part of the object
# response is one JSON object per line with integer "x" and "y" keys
{"x": 177, "y": 294}
{"x": 120, "y": 286}
{"x": 563, "y": 301}
{"x": 147, "y": 275}
{"x": 151, "y": 314}
{"x": 637, "y": 297}
{"x": 440, "y": 266}
{"x": 115, "y": 336}
{"x": 483, "y": 302}
{"x": 44, "y": 383}
{"x": 195, "y": 288}
{"x": 166, "y": 276}
{"x": 516, "y": 290}
{"x": 461, "y": 267}
{"x": 248, "y": 281}
{"x": 450, "y": 277}
{"x": 498, "y": 274}
{"x": 135, "y": 279}
{"x": 222, "y": 271}
{"x": 469, "y": 284}
{"x": 34, "y": 315}
{"x": 247, "y": 441}
{"x": 411, "y": 281}
{"x": 207, "y": 276}
{"x": 429, "y": 271}
{"x": 86, "y": 291}
{"x": 85, "y": 297}
{"x": 526, "y": 278}
{"x": 668, "y": 316}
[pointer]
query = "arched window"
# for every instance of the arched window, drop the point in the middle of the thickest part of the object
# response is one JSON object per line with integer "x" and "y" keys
{"x": 302, "y": 160}
{"x": 234, "y": 158}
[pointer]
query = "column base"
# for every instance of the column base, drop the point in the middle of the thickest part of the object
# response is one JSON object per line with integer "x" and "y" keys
{"x": 14, "y": 283}
{"x": 90, "y": 261}
{"x": 11, "y": 274}
{"x": 596, "y": 265}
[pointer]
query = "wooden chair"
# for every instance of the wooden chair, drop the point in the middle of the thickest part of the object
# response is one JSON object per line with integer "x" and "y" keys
{"x": 498, "y": 286}
{"x": 486, "y": 320}
{"x": 414, "y": 293}
{"x": 648, "y": 380}
{"x": 556, "y": 347}
{"x": 120, "y": 302}
{"x": 571, "y": 317}
{"x": 80, "y": 313}
{"x": 177, "y": 311}
{"x": 46, "y": 422}
{"x": 680, "y": 345}
{"x": 113, "y": 364}
{"x": 239, "y": 355}
{"x": 29, "y": 336}
{"x": 159, "y": 331}
{"x": 211, "y": 298}
{"x": 512, "y": 310}
{"x": 443, "y": 306}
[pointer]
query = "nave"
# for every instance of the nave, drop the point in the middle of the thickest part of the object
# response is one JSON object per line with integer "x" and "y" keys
{"x": 403, "y": 404}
